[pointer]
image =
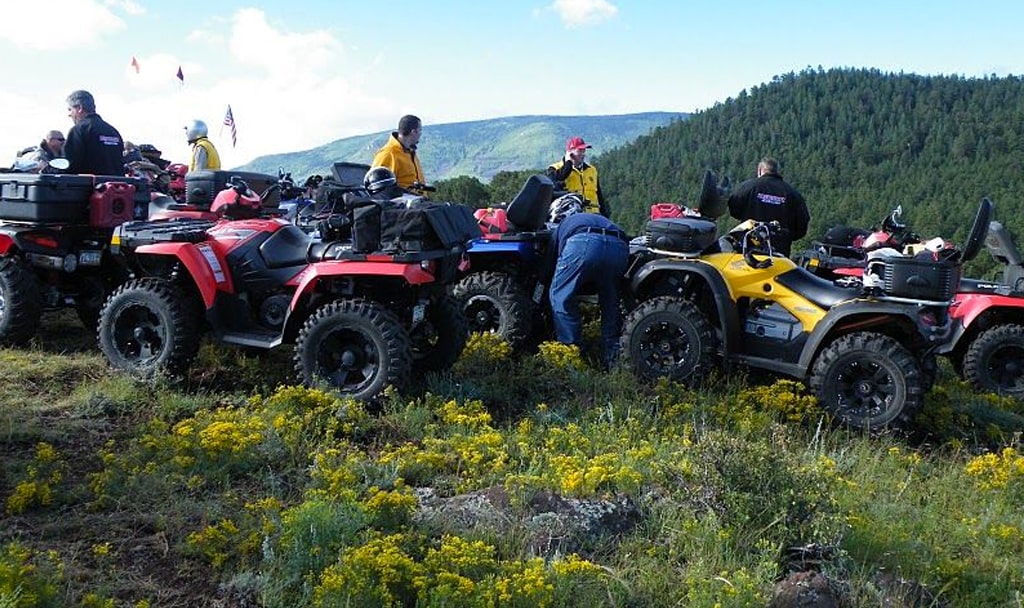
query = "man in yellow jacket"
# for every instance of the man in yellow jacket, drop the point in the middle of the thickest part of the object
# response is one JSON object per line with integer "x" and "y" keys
{"x": 399, "y": 154}
{"x": 572, "y": 173}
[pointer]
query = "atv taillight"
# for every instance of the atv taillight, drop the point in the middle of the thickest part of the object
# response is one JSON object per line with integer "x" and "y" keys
{"x": 928, "y": 319}
{"x": 42, "y": 240}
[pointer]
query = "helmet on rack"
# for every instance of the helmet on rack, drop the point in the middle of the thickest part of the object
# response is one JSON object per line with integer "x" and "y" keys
{"x": 195, "y": 130}
{"x": 378, "y": 179}
{"x": 564, "y": 206}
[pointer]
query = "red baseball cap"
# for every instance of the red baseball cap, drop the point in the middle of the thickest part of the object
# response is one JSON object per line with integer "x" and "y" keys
{"x": 575, "y": 143}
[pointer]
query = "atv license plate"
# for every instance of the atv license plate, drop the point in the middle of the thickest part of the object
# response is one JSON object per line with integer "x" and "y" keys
{"x": 419, "y": 312}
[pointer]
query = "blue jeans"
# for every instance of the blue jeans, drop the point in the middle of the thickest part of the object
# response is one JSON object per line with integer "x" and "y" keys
{"x": 589, "y": 261}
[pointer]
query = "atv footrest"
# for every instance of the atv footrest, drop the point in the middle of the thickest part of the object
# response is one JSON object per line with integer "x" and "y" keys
{"x": 257, "y": 339}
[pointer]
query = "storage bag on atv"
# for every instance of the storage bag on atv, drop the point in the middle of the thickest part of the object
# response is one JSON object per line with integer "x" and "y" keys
{"x": 426, "y": 226}
{"x": 202, "y": 186}
{"x": 688, "y": 235}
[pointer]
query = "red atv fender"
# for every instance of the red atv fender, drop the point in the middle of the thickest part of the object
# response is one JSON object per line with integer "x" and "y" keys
{"x": 967, "y": 306}
{"x": 307, "y": 280}
{"x": 202, "y": 264}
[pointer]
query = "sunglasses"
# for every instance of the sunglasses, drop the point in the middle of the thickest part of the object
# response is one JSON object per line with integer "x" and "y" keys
{"x": 56, "y": 139}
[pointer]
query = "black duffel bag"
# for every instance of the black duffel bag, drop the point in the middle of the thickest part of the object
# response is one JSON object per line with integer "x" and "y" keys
{"x": 425, "y": 226}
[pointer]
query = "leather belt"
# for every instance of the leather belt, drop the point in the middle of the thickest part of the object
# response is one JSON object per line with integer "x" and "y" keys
{"x": 605, "y": 231}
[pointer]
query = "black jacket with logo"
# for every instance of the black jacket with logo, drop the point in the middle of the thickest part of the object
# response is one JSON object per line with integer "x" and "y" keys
{"x": 769, "y": 198}
{"x": 93, "y": 146}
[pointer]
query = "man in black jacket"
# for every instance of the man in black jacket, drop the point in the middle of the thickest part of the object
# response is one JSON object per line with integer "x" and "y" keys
{"x": 768, "y": 197}
{"x": 93, "y": 146}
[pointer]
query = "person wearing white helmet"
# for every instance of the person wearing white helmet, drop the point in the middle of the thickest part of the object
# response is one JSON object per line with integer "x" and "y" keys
{"x": 204, "y": 154}
{"x": 587, "y": 251}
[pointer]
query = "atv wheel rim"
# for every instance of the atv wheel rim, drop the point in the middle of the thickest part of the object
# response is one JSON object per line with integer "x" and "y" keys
{"x": 483, "y": 314}
{"x": 1006, "y": 368}
{"x": 139, "y": 335}
{"x": 348, "y": 360}
{"x": 864, "y": 389}
{"x": 665, "y": 349}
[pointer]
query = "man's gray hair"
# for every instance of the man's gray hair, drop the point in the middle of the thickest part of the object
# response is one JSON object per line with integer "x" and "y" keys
{"x": 82, "y": 99}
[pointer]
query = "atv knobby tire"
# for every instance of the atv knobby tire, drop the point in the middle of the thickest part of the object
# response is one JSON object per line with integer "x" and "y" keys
{"x": 21, "y": 303}
{"x": 357, "y": 347}
{"x": 438, "y": 340}
{"x": 668, "y": 337}
{"x": 994, "y": 361}
{"x": 495, "y": 302}
{"x": 868, "y": 381}
{"x": 148, "y": 328}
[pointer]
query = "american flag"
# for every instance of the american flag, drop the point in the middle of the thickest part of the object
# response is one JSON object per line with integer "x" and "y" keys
{"x": 229, "y": 120}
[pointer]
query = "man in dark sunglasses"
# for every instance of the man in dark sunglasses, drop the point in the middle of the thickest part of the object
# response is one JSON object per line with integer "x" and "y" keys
{"x": 51, "y": 147}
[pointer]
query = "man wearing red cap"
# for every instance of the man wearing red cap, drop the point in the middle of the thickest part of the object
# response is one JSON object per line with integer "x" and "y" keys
{"x": 572, "y": 173}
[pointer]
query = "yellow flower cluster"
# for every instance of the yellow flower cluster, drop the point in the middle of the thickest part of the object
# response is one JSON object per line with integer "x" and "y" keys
{"x": 395, "y": 570}
{"x": 997, "y": 471}
{"x": 216, "y": 542}
{"x": 36, "y": 489}
{"x": 561, "y": 356}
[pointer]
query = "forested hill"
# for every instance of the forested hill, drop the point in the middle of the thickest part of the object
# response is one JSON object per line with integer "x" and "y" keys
{"x": 856, "y": 142}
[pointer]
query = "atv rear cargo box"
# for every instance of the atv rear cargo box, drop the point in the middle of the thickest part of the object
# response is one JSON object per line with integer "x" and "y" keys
{"x": 919, "y": 279}
{"x": 51, "y": 198}
{"x": 681, "y": 234}
{"x": 201, "y": 187}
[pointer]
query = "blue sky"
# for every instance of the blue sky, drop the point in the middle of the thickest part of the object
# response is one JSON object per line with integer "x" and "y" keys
{"x": 300, "y": 74}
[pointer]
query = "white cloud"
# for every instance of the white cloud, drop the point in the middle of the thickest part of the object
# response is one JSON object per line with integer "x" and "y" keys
{"x": 80, "y": 23}
{"x": 581, "y": 13}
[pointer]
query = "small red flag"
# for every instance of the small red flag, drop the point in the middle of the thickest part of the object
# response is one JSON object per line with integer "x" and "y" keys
{"x": 181, "y": 76}
{"x": 135, "y": 64}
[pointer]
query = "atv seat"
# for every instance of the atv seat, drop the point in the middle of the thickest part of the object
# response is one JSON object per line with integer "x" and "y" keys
{"x": 822, "y": 292}
{"x": 528, "y": 211}
{"x": 286, "y": 247}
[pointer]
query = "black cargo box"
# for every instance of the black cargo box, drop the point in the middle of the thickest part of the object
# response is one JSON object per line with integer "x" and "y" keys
{"x": 681, "y": 234}
{"x": 52, "y": 198}
{"x": 918, "y": 279}
{"x": 201, "y": 187}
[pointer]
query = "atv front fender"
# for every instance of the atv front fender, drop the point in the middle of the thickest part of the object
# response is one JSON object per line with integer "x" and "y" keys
{"x": 199, "y": 260}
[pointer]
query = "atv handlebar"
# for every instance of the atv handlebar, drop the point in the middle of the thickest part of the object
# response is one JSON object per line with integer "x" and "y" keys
{"x": 422, "y": 187}
{"x": 760, "y": 236}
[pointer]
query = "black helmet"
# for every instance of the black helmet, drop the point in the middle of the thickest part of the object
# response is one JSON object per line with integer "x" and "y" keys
{"x": 378, "y": 179}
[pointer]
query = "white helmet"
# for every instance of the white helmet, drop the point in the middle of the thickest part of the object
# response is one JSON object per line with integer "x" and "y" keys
{"x": 564, "y": 206}
{"x": 195, "y": 130}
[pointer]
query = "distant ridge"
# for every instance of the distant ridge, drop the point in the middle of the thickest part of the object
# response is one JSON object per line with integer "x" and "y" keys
{"x": 479, "y": 148}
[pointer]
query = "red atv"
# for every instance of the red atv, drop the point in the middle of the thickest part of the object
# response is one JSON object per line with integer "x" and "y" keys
{"x": 987, "y": 344}
{"x": 360, "y": 318}
{"x": 54, "y": 235}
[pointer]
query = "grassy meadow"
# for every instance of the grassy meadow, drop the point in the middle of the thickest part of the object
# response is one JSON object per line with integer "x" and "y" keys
{"x": 513, "y": 480}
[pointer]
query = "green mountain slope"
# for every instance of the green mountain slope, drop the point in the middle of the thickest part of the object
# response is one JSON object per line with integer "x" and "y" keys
{"x": 856, "y": 142}
{"x": 479, "y": 148}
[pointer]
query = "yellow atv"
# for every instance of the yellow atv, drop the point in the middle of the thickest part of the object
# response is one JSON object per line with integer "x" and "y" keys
{"x": 868, "y": 355}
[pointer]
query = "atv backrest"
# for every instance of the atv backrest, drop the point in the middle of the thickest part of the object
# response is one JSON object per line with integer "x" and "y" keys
{"x": 350, "y": 174}
{"x": 978, "y": 231}
{"x": 1000, "y": 245}
{"x": 528, "y": 211}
